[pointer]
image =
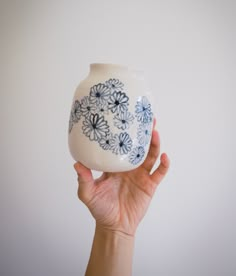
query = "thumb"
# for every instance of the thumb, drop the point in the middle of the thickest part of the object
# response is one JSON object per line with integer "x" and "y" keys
{"x": 85, "y": 180}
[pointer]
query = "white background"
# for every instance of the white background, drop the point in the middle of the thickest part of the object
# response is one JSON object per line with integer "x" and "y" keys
{"x": 187, "y": 49}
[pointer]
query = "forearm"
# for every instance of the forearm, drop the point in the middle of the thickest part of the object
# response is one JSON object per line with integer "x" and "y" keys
{"x": 111, "y": 255}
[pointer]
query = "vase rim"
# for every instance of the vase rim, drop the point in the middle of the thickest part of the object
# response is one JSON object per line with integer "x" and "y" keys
{"x": 110, "y": 66}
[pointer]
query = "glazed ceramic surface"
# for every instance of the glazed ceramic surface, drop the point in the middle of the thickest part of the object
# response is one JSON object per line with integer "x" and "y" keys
{"x": 111, "y": 119}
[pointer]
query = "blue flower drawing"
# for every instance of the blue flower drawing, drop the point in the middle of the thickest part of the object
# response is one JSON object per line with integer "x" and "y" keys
{"x": 118, "y": 102}
{"x": 99, "y": 94}
{"x": 95, "y": 127}
{"x": 114, "y": 85}
{"x": 123, "y": 120}
{"x": 105, "y": 141}
{"x": 87, "y": 107}
{"x": 121, "y": 143}
{"x": 144, "y": 134}
{"x": 108, "y": 103}
{"x": 136, "y": 155}
{"x": 143, "y": 110}
{"x": 71, "y": 123}
{"x": 102, "y": 109}
{"x": 76, "y": 111}
{"x": 75, "y": 114}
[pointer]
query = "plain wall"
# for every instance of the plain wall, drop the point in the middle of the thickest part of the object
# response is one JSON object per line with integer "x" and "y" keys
{"x": 187, "y": 49}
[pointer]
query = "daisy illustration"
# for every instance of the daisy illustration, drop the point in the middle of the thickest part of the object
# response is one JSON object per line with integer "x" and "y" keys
{"x": 99, "y": 94}
{"x": 143, "y": 110}
{"x": 121, "y": 143}
{"x": 118, "y": 102}
{"x": 144, "y": 134}
{"x": 87, "y": 107}
{"x": 105, "y": 141}
{"x": 71, "y": 121}
{"x": 75, "y": 114}
{"x": 136, "y": 155}
{"x": 123, "y": 120}
{"x": 114, "y": 85}
{"x": 102, "y": 109}
{"x": 95, "y": 127}
{"x": 76, "y": 111}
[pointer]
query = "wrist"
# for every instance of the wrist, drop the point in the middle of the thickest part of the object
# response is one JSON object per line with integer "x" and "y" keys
{"x": 111, "y": 254}
{"x": 108, "y": 232}
{"x": 114, "y": 240}
{"x": 111, "y": 232}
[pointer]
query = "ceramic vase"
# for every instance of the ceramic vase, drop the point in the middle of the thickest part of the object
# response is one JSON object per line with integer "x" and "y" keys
{"x": 111, "y": 119}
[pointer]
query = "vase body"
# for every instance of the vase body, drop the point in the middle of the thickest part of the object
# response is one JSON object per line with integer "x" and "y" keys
{"x": 111, "y": 119}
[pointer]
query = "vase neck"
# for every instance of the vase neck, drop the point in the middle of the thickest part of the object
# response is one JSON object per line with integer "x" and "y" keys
{"x": 108, "y": 67}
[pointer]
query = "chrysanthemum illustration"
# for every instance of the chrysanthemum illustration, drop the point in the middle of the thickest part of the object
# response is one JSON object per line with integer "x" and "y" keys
{"x": 144, "y": 134}
{"x": 118, "y": 102}
{"x": 87, "y": 107}
{"x": 143, "y": 110}
{"x": 75, "y": 114}
{"x": 136, "y": 155}
{"x": 121, "y": 143}
{"x": 108, "y": 102}
{"x": 114, "y": 85}
{"x": 123, "y": 120}
{"x": 71, "y": 121}
{"x": 102, "y": 109}
{"x": 76, "y": 110}
{"x": 99, "y": 94}
{"x": 95, "y": 127}
{"x": 105, "y": 141}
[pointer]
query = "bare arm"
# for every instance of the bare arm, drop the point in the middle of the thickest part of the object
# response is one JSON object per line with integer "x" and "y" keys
{"x": 118, "y": 202}
{"x": 111, "y": 254}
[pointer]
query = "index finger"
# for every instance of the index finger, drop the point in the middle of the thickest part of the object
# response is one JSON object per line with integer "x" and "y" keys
{"x": 154, "y": 150}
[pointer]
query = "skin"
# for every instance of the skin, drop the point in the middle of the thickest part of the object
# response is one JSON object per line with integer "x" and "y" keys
{"x": 118, "y": 202}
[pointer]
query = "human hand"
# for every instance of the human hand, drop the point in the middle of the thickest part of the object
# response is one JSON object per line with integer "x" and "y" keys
{"x": 118, "y": 201}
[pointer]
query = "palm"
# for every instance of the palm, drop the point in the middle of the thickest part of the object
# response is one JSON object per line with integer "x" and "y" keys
{"x": 118, "y": 201}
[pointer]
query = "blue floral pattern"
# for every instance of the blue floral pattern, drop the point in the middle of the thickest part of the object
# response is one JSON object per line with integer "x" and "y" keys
{"x": 118, "y": 102}
{"x": 123, "y": 120}
{"x": 144, "y": 134}
{"x": 75, "y": 114}
{"x": 87, "y": 107}
{"x": 102, "y": 109}
{"x": 143, "y": 110}
{"x": 114, "y": 85}
{"x": 95, "y": 127}
{"x": 121, "y": 143}
{"x": 109, "y": 99}
{"x": 136, "y": 155}
{"x": 105, "y": 141}
{"x": 71, "y": 121}
{"x": 99, "y": 94}
{"x": 76, "y": 111}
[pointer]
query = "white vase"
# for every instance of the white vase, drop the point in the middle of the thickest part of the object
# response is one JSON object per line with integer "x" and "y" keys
{"x": 111, "y": 119}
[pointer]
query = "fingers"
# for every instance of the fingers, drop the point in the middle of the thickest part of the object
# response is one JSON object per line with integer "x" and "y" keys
{"x": 162, "y": 169}
{"x": 85, "y": 179}
{"x": 153, "y": 152}
{"x": 85, "y": 174}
